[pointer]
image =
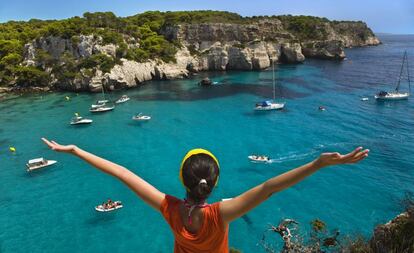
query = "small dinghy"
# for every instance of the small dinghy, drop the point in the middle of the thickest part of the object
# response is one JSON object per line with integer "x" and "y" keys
{"x": 259, "y": 158}
{"x": 38, "y": 163}
{"x": 141, "y": 117}
{"x": 364, "y": 99}
{"x": 109, "y": 206}
{"x": 122, "y": 99}
{"x": 78, "y": 120}
{"x": 102, "y": 109}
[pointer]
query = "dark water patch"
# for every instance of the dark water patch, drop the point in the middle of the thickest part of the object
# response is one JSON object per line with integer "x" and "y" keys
{"x": 4, "y": 141}
{"x": 247, "y": 219}
{"x": 177, "y": 93}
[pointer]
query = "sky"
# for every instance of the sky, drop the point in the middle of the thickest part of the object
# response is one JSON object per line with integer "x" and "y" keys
{"x": 392, "y": 16}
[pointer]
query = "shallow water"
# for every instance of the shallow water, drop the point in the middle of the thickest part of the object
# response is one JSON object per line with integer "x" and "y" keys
{"x": 52, "y": 210}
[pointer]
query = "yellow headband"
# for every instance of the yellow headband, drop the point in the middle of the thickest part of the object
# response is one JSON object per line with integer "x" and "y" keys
{"x": 192, "y": 152}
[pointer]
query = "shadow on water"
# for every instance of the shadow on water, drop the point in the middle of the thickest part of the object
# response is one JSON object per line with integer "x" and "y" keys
{"x": 101, "y": 218}
{"x": 174, "y": 92}
{"x": 247, "y": 219}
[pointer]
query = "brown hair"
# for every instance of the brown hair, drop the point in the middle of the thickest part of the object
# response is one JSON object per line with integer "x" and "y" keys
{"x": 200, "y": 174}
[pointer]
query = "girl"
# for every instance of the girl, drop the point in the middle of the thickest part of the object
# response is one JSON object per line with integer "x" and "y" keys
{"x": 196, "y": 225}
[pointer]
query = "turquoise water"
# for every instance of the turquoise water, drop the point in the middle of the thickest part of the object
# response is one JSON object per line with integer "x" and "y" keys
{"x": 52, "y": 210}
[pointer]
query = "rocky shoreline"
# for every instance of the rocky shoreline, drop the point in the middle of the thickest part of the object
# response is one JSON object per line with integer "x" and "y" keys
{"x": 200, "y": 47}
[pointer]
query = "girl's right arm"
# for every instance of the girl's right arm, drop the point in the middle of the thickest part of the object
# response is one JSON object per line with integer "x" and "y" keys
{"x": 243, "y": 203}
{"x": 143, "y": 189}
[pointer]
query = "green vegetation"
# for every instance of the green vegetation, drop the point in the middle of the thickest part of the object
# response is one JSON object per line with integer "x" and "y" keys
{"x": 139, "y": 38}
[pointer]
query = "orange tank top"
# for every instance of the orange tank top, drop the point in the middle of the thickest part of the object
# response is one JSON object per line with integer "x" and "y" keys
{"x": 212, "y": 237}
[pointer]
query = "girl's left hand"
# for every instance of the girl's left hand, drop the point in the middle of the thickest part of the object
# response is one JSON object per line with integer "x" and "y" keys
{"x": 59, "y": 148}
{"x": 327, "y": 159}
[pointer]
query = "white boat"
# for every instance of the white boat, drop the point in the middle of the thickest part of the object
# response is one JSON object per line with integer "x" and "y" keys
{"x": 383, "y": 95}
{"x": 396, "y": 94}
{"x": 268, "y": 105}
{"x": 364, "y": 99}
{"x": 38, "y": 163}
{"x": 141, "y": 117}
{"x": 104, "y": 208}
{"x": 98, "y": 104}
{"x": 102, "y": 101}
{"x": 259, "y": 158}
{"x": 102, "y": 109}
{"x": 78, "y": 120}
{"x": 122, "y": 99}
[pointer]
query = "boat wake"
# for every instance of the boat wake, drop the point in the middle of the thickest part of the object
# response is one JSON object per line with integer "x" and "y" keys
{"x": 315, "y": 151}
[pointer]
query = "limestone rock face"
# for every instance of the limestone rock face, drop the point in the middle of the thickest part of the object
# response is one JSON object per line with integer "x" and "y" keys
{"x": 168, "y": 71}
{"x": 130, "y": 74}
{"x": 324, "y": 49}
{"x": 253, "y": 45}
{"x": 291, "y": 53}
{"x": 239, "y": 59}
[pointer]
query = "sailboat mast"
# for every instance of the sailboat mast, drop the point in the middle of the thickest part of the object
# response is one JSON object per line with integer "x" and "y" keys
{"x": 103, "y": 92}
{"x": 273, "y": 72}
{"x": 401, "y": 72}
{"x": 408, "y": 74}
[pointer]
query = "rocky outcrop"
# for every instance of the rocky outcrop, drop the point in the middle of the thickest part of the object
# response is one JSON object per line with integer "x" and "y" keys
{"x": 332, "y": 49}
{"x": 395, "y": 236}
{"x": 209, "y": 46}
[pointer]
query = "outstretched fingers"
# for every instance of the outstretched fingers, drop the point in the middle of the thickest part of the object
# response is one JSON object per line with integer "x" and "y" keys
{"x": 48, "y": 143}
{"x": 352, "y": 154}
{"x": 360, "y": 156}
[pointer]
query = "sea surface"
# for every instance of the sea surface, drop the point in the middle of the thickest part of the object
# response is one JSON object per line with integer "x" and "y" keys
{"x": 52, "y": 210}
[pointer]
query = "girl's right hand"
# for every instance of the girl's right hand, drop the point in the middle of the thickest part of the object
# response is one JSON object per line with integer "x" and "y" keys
{"x": 327, "y": 159}
{"x": 59, "y": 148}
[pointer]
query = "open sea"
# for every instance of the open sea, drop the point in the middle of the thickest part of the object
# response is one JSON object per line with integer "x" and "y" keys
{"x": 52, "y": 210}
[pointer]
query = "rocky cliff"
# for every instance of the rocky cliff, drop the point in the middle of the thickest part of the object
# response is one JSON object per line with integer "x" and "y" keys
{"x": 88, "y": 61}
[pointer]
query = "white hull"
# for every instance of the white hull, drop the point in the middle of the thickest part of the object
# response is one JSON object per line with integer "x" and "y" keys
{"x": 101, "y": 208}
{"x": 82, "y": 121}
{"x": 141, "y": 118}
{"x": 97, "y": 106}
{"x": 102, "y": 109}
{"x": 49, "y": 162}
{"x": 254, "y": 158}
{"x": 272, "y": 106}
{"x": 122, "y": 100}
{"x": 393, "y": 96}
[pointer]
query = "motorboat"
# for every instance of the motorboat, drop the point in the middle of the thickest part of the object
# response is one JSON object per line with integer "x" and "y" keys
{"x": 102, "y": 109}
{"x": 259, "y": 158}
{"x": 396, "y": 94}
{"x": 269, "y": 105}
{"x": 38, "y": 163}
{"x": 141, "y": 117}
{"x": 108, "y": 207}
{"x": 78, "y": 120}
{"x": 364, "y": 99}
{"x": 122, "y": 99}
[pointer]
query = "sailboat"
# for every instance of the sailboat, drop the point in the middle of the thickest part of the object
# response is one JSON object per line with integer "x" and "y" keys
{"x": 268, "y": 105}
{"x": 396, "y": 94}
{"x": 100, "y": 105}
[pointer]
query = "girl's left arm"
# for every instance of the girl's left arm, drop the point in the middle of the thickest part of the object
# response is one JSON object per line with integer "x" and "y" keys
{"x": 142, "y": 188}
